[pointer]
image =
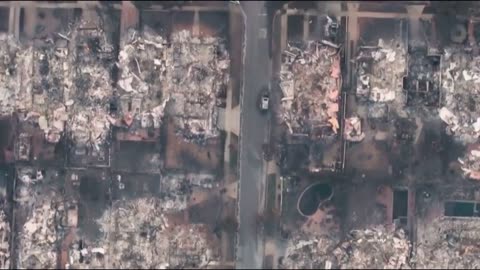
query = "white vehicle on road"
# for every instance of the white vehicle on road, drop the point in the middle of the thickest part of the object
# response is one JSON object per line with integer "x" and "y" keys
{"x": 264, "y": 100}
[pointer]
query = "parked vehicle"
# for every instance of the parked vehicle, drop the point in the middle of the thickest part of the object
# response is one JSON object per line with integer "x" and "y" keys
{"x": 264, "y": 102}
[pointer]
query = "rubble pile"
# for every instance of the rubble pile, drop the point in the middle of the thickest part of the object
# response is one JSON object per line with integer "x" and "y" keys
{"x": 176, "y": 189}
{"x": 186, "y": 72}
{"x": 132, "y": 214}
{"x": 470, "y": 163}
{"x": 189, "y": 247}
{"x": 199, "y": 70}
{"x": 33, "y": 80}
{"x": 353, "y": 129}
{"x": 47, "y": 107}
{"x": 45, "y": 212}
{"x": 309, "y": 79}
{"x": 363, "y": 249}
{"x": 421, "y": 68}
{"x": 422, "y": 85}
{"x": 183, "y": 246}
{"x": 4, "y": 241}
{"x": 66, "y": 80}
{"x": 89, "y": 95}
{"x": 380, "y": 73}
{"x": 9, "y": 48}
{"x": 24, "y": 63}
{"x": 308, "y": 251}
{"x": 66, "y": 85}
{"x": 82, "y": 256}
{"x": 123, "y": 223}
{"x": 460, "y": 79}
{"x": 449, "y": 243}
{"x": 144, "y": 238}
{"x": 38, "y": 239}
{"x": 376, "y": 248}
{"x": 143, "y": 82}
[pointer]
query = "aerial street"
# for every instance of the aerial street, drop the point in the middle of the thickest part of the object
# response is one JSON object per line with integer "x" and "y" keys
{"x": 254, "y": 132}
{"x": 239, "y": 134}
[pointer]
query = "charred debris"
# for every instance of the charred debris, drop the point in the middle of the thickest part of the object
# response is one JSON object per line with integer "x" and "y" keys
{"x": 74, "y": 95}
{"x": 310, "y": 107}
{"x": 409, "y": 122}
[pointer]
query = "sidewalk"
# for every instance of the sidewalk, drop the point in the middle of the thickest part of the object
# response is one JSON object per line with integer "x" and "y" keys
{"x": 270, "y": 247}
{"x": 232, "y": 126}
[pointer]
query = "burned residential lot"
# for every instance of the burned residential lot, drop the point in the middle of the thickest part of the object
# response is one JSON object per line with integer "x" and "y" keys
{"x": 112, "y": 141}
{"x": 408, "y": 194}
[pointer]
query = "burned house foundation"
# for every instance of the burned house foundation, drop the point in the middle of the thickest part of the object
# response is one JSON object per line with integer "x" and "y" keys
{"x": 311, "y": 104}
{"x": 411, "y": 150}
{"x": 83, "y": 97}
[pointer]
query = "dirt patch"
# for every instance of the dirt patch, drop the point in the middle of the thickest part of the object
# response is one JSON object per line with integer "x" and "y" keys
{"x": 232, "y": 190}
{"x": 179, "y": 218}
{"x": 137, "y": 157}
{"x": 368, "y": 157}
{"x": 323, "y": 221}
{"x": 93, "y": 201}
{"x": 198, "y": 196}
{"x": 181, "y": 154}
{"x": 182, "y": 21}
{"x": 207, "y": 212}
{"x": 362, "y": 209}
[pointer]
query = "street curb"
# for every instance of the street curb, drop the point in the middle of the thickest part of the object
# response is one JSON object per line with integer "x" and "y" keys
{"x": 244, "y": 44}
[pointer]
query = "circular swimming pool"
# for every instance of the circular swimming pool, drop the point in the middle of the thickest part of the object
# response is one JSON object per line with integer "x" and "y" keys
{"x": 311, "y": 198}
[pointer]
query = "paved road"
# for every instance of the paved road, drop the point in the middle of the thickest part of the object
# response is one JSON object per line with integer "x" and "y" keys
{"x": 254, "y": 131}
